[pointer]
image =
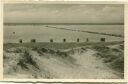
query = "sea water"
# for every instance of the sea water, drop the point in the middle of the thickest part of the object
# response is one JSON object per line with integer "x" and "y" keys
{"x": 42, "y": 33}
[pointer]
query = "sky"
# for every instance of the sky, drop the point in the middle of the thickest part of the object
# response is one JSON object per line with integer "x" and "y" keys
{"x": 63, "y": 13}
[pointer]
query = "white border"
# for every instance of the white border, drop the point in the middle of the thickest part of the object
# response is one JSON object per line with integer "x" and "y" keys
{"x": 1, "y": 41}
{"x": 67, "y": 80}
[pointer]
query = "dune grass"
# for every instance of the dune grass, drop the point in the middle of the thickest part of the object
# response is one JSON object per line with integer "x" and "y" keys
{"x": 112, "y": 56}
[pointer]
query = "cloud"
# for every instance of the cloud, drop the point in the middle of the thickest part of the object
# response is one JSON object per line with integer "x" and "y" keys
{"x": 63, "y": 13}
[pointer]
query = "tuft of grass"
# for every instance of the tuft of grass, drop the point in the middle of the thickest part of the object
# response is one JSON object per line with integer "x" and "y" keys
{"x": 118, "y": 64}
{"x": 63, "y": 55}
{"x": 27, "y": 59}
{"x": 113, "y": 56}
{"x": 101, "y": 48}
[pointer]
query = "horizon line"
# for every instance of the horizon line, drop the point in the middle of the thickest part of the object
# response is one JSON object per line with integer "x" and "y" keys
{"x": 13, "y": 23}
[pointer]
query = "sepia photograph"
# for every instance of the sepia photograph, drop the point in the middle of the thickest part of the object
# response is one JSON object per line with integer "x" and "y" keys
{"x": 63, "y": 41}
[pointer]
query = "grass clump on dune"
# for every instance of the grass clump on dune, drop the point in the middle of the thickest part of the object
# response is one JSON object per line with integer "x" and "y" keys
{"x": 19, "y": 59}
{"x": 114, "y": 57}
{"x": 58, "y": 54}
{"x": 27, "y": 59}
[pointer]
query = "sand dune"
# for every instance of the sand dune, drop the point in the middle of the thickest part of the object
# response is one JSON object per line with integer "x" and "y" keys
{"x": 74, "y": 63}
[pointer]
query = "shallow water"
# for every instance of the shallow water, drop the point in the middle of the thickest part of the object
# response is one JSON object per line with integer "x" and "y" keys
{"x": 43, "y": 34}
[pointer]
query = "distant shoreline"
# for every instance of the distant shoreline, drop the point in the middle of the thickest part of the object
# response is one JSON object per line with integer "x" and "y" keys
{"x": 63, "y": 23}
